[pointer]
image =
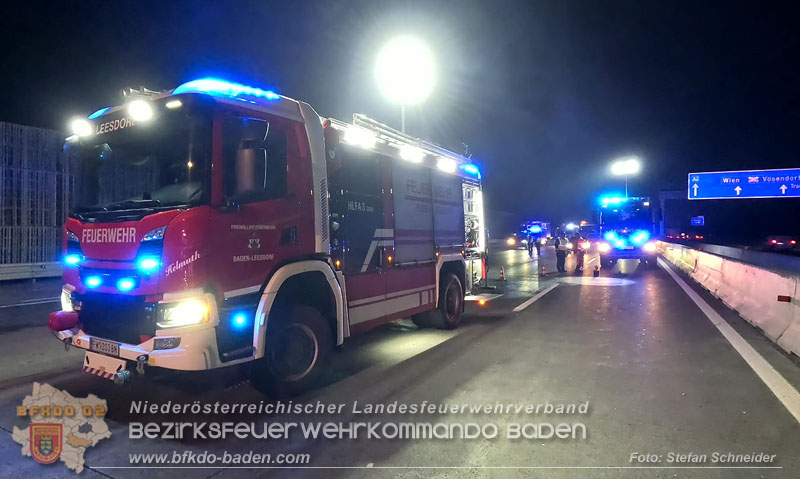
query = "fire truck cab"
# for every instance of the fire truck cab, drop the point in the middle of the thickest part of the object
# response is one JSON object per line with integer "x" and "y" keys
{"x": 217, "y": 224}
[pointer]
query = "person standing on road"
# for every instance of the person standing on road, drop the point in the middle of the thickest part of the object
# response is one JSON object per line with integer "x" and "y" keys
{"x": 576, "y": 241}
{"x": 561, "y": 254}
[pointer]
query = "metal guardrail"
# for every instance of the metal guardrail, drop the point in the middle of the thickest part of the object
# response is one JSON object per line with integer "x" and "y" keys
{"x": 779, "y": 263}
{"x": 29, "y": 270}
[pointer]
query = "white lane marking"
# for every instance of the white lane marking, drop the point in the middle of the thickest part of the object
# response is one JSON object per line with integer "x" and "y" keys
{"x": 599, "y": 281}
{"x": 477, "y": 297}
{"x": 31, "y": 302}
{"x": 779, "y": 386}
{"x": 592, "y": 260}
{"x": 38, "y": 300}
{"x": 535, "y": 298}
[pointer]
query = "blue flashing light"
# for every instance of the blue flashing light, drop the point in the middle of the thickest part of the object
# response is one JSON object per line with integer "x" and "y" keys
{"x": 148, "y": 264}
{"x": 472, "y": 170}
{"x": 612, "y": 200}
{"x": 610, "y": 236}
{"x": 535, "y": 229}
{"x": 72, "y": 259}
{"x": 640, "y": 237}
{"x": 126, "y": 284}
{"x": 99, "y": 113}
{"x": 221, "y": 88}
{"x": 239, "y": 320}
{"x": 94, "y": 281}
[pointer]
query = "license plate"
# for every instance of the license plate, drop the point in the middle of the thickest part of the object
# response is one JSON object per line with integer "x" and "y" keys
{"x": 629, "y": 247}
{"x": 103, "y": 346}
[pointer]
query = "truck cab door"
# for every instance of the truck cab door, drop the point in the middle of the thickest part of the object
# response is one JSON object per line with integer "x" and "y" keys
{"x": 261, "y": 220}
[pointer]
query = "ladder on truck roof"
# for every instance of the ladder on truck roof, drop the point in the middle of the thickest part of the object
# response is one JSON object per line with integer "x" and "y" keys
{"x": 371, "y": 134}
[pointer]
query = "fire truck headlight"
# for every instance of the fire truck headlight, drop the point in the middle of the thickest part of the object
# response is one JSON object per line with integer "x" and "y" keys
{"x": 604, "y": 247}
{"x": 511, "y": 241}
{"x": 81, "y": 127}
{"x": 155, "y": 234}
{"x": 586, "y": 245}
{"x": 183, "y": 313}
{"x": 650, "y": 247}
{"x": 140, "y": 110}
{"x": 66, "y": 301}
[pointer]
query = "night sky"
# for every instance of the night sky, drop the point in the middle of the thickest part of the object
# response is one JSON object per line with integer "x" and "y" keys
{"x": 544, "y": 93}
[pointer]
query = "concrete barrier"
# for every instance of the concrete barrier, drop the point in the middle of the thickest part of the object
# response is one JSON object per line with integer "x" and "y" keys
{"x": 765, "y": 298}
{"x": 29, "y": 270}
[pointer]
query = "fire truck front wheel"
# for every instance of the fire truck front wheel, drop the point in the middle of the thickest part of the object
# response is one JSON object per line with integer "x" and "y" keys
{"x": 298, "y": 349}
{"x": 451, "y": 302}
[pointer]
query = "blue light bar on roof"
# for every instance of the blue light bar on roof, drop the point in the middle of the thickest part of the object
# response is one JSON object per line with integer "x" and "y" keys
{"x": 99, "y": 113}
{"x": 472, "y": 170}
{"x": 222, "y": 88}
{"x": 612, "y": 200}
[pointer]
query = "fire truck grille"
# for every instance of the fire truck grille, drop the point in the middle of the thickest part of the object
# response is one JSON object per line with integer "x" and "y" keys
{"x": 116, "y": 317}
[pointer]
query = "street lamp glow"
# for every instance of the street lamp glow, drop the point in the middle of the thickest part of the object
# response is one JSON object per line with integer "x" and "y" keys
{"x": 405, "y": 70}
{"x": 626, "y": 167}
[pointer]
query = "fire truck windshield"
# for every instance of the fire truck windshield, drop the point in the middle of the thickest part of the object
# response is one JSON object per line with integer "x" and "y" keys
{"x": 143, "y": 168}
{"x": 626, "y": 215}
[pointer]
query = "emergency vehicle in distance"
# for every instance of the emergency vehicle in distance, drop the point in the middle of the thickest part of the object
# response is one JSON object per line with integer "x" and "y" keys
{"x": 217, "y": 224}
{"x": 627, "y": 227}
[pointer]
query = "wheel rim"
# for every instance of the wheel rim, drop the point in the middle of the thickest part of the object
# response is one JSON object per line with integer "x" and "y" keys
{"x": 295, "y": 353}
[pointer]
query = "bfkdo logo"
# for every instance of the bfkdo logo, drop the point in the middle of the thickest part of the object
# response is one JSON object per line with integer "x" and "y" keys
{"x": 46, "y": 442}
{"x": 61, "y": 428}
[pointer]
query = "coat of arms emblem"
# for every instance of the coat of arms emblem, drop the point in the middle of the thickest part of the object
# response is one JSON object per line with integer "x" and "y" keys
{"x": 46, "y": 441}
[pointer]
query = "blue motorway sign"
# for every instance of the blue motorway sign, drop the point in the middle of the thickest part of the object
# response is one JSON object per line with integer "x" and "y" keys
{"x": 698, "y": 220}
{"x": 745, "y": 184}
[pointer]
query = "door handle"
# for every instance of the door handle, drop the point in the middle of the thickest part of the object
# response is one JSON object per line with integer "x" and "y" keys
{"x": 289, "y": 235}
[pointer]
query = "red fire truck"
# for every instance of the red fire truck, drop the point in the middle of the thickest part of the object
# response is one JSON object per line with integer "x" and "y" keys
{"x": 217, "y": 224}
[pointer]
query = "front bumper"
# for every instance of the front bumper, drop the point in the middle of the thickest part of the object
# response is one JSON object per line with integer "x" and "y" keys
{"x": 635, "y": 253}
{"x": 197, "y": 349}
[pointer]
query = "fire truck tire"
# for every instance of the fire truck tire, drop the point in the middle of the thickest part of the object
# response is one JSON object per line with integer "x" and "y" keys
{"x": 451, "y": 303}
{"x": 297, "y": 353}
{"x": 424, "y": 320}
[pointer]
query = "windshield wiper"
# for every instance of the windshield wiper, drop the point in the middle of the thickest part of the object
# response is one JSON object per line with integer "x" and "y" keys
{"x": 132, "y": 204}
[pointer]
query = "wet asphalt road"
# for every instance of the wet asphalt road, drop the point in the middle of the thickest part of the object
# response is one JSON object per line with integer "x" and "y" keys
{"x": 658, "y": 377}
